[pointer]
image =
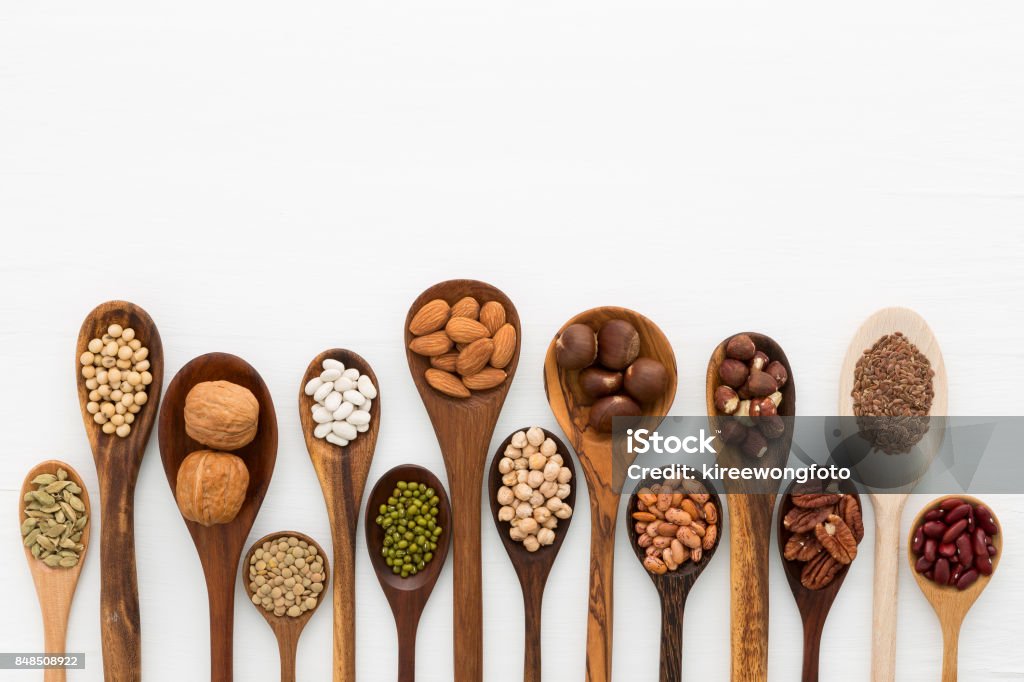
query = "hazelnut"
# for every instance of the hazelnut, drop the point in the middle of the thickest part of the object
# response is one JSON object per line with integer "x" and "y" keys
{"x": 597, "y": 382}
{"x": 760, "y": 361}
{"x": 726, "y": 400}
{"x": 605, "y": 409}
{"x": 576, "y": 347}
{"x": 760, "y": 384}
{"x": 776, "y": 398}
{"x": 776, "y": 370}
{"x": 742, "y": 413}
{"x": 733, "y": 373}
{"x": 755, "y": 444}
{"x": 733, "y": 431}
{"x": 740, "y": 347}
{"x": 762, "y": 407}
{"x": 772, "y": 427}
{"x": 646, "y": 380}
{"x": 618, "y": 344}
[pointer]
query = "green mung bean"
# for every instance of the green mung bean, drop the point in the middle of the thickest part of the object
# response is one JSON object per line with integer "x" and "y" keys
{"x": 411, "y": 530}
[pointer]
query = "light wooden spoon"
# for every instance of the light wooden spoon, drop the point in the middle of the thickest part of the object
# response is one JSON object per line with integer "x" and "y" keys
{"x": 596, "y": 455}
{"x": 342, "y": 472}
{"x": 286, "y": 628}
{"x": 888, "y": 507}
{"x": 950, "y": 603}
{"x": 55, "y": 587}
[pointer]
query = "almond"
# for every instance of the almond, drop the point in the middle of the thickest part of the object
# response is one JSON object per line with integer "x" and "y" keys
{"x": 485, "y": 379}
{"x": 445, "y": 362}
{"x": 430, "y": 345}
{"x": 465, "y": 330}
{"x": 466, "y": 307}
{"x": 431, "y": 317}
{"x": 446, "y": 383}
{"x": 504, "y": 346}
{"x": 492, "y": 316}
{"x": 475, "y": 357}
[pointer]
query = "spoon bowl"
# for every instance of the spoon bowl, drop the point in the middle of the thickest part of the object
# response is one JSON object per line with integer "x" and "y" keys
{"x": 599, "y": 461}
{"x": 286, "y": 628}
{"x": 531, "y": 567}
{"x": 117, "y": 467}
{"x": 220, "y": 546}
{"x": 407, "y": 596}
{"x": 55, "y": 586}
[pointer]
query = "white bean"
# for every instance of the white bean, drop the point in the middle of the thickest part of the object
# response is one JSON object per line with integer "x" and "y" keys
{"x": 363, "y": 429}
{"x": 330, "y": 375}
{"x": 331, "y": 363}
{"x": 355, "y": 397}
{"x": 333, "y": 401}
{"x": 331, "y": 438}
{"x": 344, "y": 384}
{"x": 322, "y": 430}
{"x": 358, "y": 418}
{"x": 352, "y": 373}
{"x": 366, "y": 387}
{"x": 342, "y": 413}
{"x": 344, "y": 430}
{"x": 313, "y": 384}
{"x": 324, "y": 391}
{"x": 321, "y": 415}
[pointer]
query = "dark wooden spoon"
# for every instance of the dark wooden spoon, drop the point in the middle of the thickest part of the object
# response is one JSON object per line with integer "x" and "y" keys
{"x": 286, "y": 628}
{"x": 342, "y": 472}
{"x": 117, "y": 467}
{"x": 813, "y": 605}
{"x": 464, "y": 427}
{"x": 673, "y": 589}
{"x": 407, "y": 596}
{"x": 750, "y": 520}
{"x": 220, "y": 546}
{"x": 531, "y": 567}
{"x": 596, "y": 456}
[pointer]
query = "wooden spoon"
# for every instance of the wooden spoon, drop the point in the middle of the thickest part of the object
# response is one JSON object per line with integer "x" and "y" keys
{"x": 750, "y": 520}
{"x": 407, "y": 596}
{"x": 117, "y": 467}
{"x": 531, "y": 567}
{"x": 342, "y": 472}
{"x": 673, "y": 589}
{"x": 286, "y": 628}
{"x": 951, "y": 604}
{"x": 888, "y": 507}
{"x": 596, "y": 454}
{"x": 464, "y": 427}
{"x": 55, "y": 587}
{"x": 813, "y": 605}
{"x": 220, "y": 546}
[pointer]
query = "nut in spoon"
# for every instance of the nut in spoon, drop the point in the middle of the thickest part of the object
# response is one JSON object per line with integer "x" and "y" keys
{"x": 55, "y": 586}
{"x": 287, "y": 629}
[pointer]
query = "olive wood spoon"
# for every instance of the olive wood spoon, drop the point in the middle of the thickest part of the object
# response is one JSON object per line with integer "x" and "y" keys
{"x": 531, "y": 567}
{"x": 597, "y": 459}
{"x": 117, "y": 467}
{"x": 407, "y": 596}
{"x": 286, "y": 628}
{"x": 814, "y": 605}
{"x": 464, "y": 427}
{"x": 673, "y": 589}
{"x": 951, "y": 604}
{"x": 888, "y": 507}
{"x": 342, "y": 473}
{"x": 220, "y": 546}
{"x": 750, "y": 522}
{"x": 55, "y": 587}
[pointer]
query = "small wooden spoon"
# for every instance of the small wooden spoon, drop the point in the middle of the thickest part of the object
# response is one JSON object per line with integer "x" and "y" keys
{"x": 673, "y": 589}
{"x": 464, "y": 427}
{"x": 531, "y": 567}
{"x": 342, "y": 472}
{"x": 55, "y": 587}
{"x": 407, "y": 596}
{"x": 814, "y": 605}
{"x": 951, "y": 604}
{"x": 220, "y": 546}
{"x": 888, "y": 507}
{"x": 117, "y": 466}
{"x": 750, "y": 521}
{"x": 286, "y": 628}
{"x": 596, "y": 455}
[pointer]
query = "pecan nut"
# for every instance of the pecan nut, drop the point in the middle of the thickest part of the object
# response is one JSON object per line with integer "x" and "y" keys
{"x": 849, "y": 510}
{"x": 800, "y": 520}
{"x": 819, "y": 571}
{"x": 802, "y": 547}
{"x": 815, "y": 500}
{"x": 837, "y": 539}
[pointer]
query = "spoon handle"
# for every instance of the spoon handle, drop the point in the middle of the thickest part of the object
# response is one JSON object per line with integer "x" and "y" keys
{"x": 813, "y": 627}
{"x": 119, "y": 589}
{"x": 466, "y": 498}
{"x": 950, "y": 649}
{"x": 55, "y": 628}
{"x": 884, "y": 604}
{"x": 750, "y": 526}
{"x": 532, "y": 609}
{"x": 604, "y": 509}
{"x": 220, "y": 586}
{"x": 407, "y": 623}
{"x": 287, "y": 646}
{"x": 673, "y": 603}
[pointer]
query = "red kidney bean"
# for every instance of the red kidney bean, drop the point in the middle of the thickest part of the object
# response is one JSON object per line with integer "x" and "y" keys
{"x": 955, "y": 531}
{"x": 991, "y": 550}
{"x": 955, "y": 575}
{"x": 979, "y": 540}
{"x": 984, "y": 564}
{"x": 957, "y": 513}
{"x": 934, "y": 529}
{"x": 917, "y": 546}
{"x": 951, "y": 503}
{"x": 923, "y": 565}
{"x": 941, "y": 571}
{"x": 963, "y": 546}
{"x": 930, "y": 547}
{"x": 947, "y": 550}
{"x": 934, "y": 515}
{"x": 967, "y": 579}
{"x": 985, "y": 519}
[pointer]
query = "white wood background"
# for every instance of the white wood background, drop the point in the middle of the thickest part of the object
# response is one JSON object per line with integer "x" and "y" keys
{"x": 274, "y": 179}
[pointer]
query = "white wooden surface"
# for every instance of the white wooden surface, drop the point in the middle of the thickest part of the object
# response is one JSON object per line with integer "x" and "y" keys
{"x": 272, "y": 180}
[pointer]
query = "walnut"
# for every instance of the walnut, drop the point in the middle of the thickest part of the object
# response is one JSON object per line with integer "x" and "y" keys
{"x": 211, "y": 487}
{"x": 221, "y": 415}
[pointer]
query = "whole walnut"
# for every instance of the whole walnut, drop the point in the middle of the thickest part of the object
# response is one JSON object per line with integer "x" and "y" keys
{"x": 221, "y": 414}
{"x": 211, "y": 487}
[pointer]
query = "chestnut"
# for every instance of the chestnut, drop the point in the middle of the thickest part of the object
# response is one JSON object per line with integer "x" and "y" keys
{"x": 733, "y": 373}
{"x": 740, "y": 347}
{"x": 646, "y": 380}
{"x": 597, "y": 382}
{"x": 776, "y": 370}
{"x": 605, "y": 409}
{"x": 733, "y": 431}
{"x": 755, "y": 444}
{"x": 618, "y": 344}
{"x": 760, "y": 384}
{"x": 576, "y": 347}
{"x": 726, "y": 400}
{"x": 759, "y": 361}
{"x": 772, "y": 427}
